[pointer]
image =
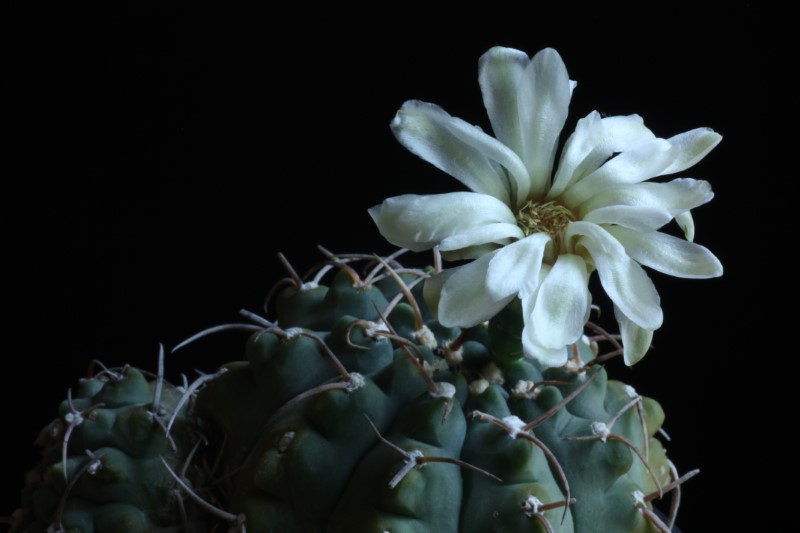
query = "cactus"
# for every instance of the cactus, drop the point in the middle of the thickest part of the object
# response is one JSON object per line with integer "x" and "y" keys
{"x": 378, "y": 397}
{"x": 362, "y": 413}
{"x": 106, "y": 459}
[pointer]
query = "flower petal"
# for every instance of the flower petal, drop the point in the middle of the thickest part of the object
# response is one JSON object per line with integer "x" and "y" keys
{"x": 544, "y": 355}
{"x": 432, "y": 289}
{"x": 690, "y": 147}
{"x": 498, "y": 232}
{"x": 458, "y": 148}
{"x": 594, "y": 140}
{"x": 499, "y": 72}
{"x": 588, "y": 135}
{"x": 623, "y": 279}
{"x": 625, "y": 131}
{"x": 421, "y": 222}
{"x": 516, "y": 266}
{"x": 675, "y": 196}
{"x": 470, "y": 252}
{"x": 635, "y": 340}
{"x": 562, "y": 304}
{"x": 531, "y": 346}
{"x": 640, "y": 162}
{"x": 543, "y": 101}
{"x": 686, "y": 223}
{"x": 497, "y": 152}
{"x": 668, "y": 254}
{"x": 464, "y": 301}
{"x": 634, "y": 217}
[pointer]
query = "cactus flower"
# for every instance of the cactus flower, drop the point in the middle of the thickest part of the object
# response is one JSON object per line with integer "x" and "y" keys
{"x": 536, "y": 229}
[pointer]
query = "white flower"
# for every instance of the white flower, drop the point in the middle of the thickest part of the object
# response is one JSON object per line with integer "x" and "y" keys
{"x": 537, "y": 233}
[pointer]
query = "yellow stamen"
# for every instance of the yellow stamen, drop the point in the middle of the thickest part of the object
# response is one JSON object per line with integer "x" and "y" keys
{"x": 550, "y": 218}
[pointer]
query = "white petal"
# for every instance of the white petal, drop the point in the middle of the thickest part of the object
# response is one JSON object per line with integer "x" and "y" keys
{"x": 543, "y": 102}
{"x": 588, "y": 135}
{"x": 516, "y": 266}
{"x": 531, "y": 346}
{"x": 625, "y": 131}
{"x": 592, "y": 143}
{"x": 470, "y": 252}
{"x": 690, "y": 147}
{"x": 635, "y": 340}
{"x": 686, "y": 223}
{"x": 464, "y": 301}
{"x": 623, "y": 279}
{"x": 421, "y": 222}
{"x": 562, "y": 303}
{"x": 634, "y": 217}
{"x": 500, "y": 70}
{"x": 546, "y": 356}
{"x": 668, "y": 254}
{"x": 432, "y": 289}
{"x": 641, "y": 162}
{"x": 458, "y": 148}
{"x": 497, "y": 152}
{"x": 675, "y": 196}
{"x": 498, "y": 232}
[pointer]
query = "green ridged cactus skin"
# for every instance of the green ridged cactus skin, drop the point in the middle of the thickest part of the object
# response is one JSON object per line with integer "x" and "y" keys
{"x": 339, "y": 422}
{"x": 115, "y": 479}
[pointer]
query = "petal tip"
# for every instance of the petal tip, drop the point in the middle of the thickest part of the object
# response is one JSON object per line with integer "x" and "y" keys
{"x": 502, "y": 52}
{"x": 718, "y": 270}
{"x": 712, "y": 137}
{"x": 375, "y": 212}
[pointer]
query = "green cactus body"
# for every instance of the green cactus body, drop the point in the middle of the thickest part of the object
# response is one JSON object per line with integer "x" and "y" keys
{"x": 338, "y": 421}
{"x": 113, "y": 478}
{"x": 358, "y": 411}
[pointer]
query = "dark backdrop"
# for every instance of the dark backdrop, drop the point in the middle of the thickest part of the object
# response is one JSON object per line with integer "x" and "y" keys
{"x": 167, "y": 156}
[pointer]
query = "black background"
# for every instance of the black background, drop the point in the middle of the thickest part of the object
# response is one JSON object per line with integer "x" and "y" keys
{"x": 164, "y": 157}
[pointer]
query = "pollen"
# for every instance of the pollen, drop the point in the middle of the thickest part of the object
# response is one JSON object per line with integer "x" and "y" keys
{"x": 550, "y": 218}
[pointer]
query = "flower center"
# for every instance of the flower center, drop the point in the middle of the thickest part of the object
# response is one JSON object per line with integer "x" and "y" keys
{"x": 550, "y": 218}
